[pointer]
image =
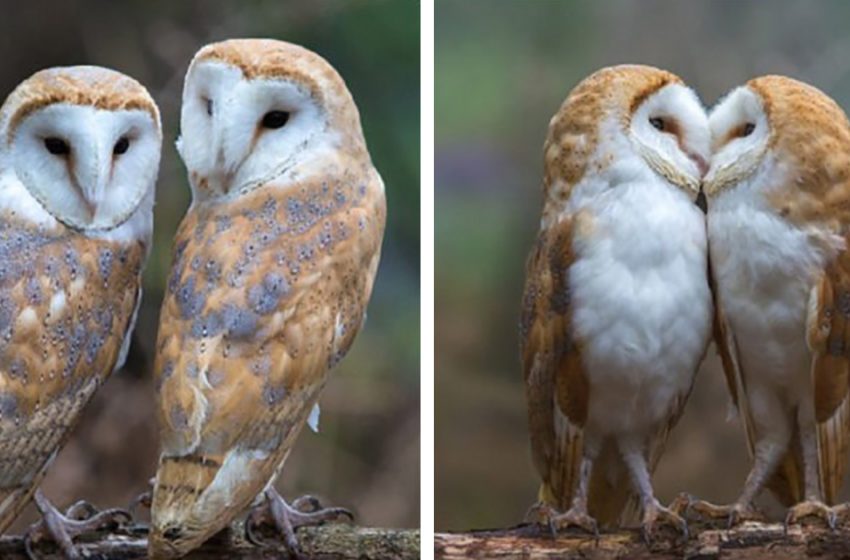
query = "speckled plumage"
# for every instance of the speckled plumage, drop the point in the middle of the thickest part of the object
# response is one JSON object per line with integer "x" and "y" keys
{"x": 267, "y": 291}
{"x": 67, "y": 297}
{"x": 66, "y": 304}
{"x": 605, "y": 374}
{"x": 778, "y": 228}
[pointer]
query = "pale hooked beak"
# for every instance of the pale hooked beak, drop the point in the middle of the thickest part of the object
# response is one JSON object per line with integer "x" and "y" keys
{"x": 700, "y": 162}
{"x": 93, "y": 181}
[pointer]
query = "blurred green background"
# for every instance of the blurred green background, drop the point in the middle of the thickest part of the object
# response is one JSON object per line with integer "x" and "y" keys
{"x": 366, "y": 456}
{"x": 502, "y": 69}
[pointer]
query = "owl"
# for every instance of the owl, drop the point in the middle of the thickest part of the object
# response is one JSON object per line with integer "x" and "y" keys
{"x": 273, "y": 267}
{"x": 778, "y": 195}
{"x": 79, "y": 156}
{"x": 617, "y": 310}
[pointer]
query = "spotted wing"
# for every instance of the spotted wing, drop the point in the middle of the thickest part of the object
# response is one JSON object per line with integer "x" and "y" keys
{"x": 66, "y": 307}
{"x": 266, "y": 295}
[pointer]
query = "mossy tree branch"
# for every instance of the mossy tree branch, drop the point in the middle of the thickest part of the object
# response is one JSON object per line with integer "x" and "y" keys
{"x": 328, "y": 542}
{"x": 747, "y": 541}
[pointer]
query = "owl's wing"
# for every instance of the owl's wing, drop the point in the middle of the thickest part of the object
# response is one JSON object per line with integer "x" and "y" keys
{"x": 266, "y": 295}
{"x": 828, "y": 337}
{"x": 65, "y": 309}
{"x": 787, "y": 481}
{"x": 556, "y": 385}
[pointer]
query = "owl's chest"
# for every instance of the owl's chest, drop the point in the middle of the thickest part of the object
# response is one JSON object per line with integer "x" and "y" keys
{"x": 65, "y": 307}
{"x": 642, "y": 305}
{"x": 764, "y": 268}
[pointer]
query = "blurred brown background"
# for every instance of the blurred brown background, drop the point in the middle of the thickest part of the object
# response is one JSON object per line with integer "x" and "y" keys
{"x": 366, "y": 456}
{"x": 502, "y": 69}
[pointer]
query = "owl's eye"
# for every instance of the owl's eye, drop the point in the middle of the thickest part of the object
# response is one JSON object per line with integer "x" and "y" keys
{"x": 57, "y": 146}
{"x": 748, "y": 129}
{"x": 275, "y": 119}
{"x": 209, "y": 104}
{"x": 121, "y": 146}
{"x": 657, "y": 122}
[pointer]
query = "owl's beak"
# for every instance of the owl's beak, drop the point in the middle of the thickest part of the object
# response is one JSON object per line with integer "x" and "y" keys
{"x": 701, "y": 163}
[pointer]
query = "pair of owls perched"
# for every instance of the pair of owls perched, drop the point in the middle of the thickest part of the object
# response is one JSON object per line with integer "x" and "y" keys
{"x": 630, "y": 280}
{"x": 273, "y": 266}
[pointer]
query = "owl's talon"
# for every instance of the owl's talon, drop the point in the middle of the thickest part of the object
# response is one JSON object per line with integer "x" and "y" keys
{"x": 811, "y": 508}
{"x": 63, "y": 528}
{"x": 80, "y": 511}
{"x": 576, "y": 516}
{"x": 312, "y": 503}
{"x": 287, "y": 518}
{"x": 681, "y": 504}
{"x": 655, "y": 514}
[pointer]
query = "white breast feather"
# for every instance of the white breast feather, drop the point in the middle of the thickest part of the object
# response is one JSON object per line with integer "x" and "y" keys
{"x": 640, "y": 294}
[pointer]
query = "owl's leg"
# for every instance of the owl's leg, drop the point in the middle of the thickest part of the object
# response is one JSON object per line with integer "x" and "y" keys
{"x": 577, "y": 515}
{"x": 653, "y": 511}
{"x": 773, "y": 429}
{"x": 813, "y": 504}
{"x": 79, "y": 519}
{"x": 288, "y": 518}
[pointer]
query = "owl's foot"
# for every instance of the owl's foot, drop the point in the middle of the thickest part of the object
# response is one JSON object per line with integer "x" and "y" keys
{"x": 303, "y": 512}
{"x": 734, "y": 514}
{"x": 79, "y": 519}
{"x": 811, "y": 508}
{"x": 655, "y": 516}
{"x": 145, "y": 499}
{"x": 554, "y": 521}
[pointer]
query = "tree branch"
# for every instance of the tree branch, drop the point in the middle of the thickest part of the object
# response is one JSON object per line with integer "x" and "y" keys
{"x": 747, "y": 541}
{"x": 328, "y": 542}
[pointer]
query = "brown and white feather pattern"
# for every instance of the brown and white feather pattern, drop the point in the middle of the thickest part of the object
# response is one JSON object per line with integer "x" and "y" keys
{"x": 66, "y": 304}
{"x": 68, "y": 295}
{"x": 267, "y": 291}
{"x": 585, "y": 147}
{"x": 778, "y": 236}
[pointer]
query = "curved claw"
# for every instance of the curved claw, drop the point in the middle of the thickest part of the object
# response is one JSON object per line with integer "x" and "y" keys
{"x": 80, "y": 511}
{"x": 811, "y": 508}
{"x": 288, "y": 518}
{"x": 250, "y": 535}
{"x": 311, "y": 502}
{"x": 28, "y": 546}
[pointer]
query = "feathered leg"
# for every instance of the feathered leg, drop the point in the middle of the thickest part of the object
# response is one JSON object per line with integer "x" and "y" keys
{"x": 813, "y": 504}
{"x": 653, "y": 511}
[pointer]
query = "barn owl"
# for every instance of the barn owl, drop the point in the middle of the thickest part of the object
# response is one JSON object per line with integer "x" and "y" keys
{"x": 778, "y": 196}
{"x": 273, "y": 266}
{"x": 617, "y": 308}
{"x": 79, "y": 156}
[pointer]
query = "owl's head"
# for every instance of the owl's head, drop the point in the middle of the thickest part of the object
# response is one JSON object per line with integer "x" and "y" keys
{"x": 625, "y": 110}
{"x": 255, "y": 108}
{"x": 85, "y": 142}
{"x": 775, "y": 121}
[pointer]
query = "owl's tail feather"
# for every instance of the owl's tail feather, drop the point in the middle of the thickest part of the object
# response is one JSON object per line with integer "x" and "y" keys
{"x": 611, "y": 494}
{"x": 12, "y": 501}
{"x": 196, "y": 495}
{"x": 610, "y": 497}
{"x": 180, "y": 483}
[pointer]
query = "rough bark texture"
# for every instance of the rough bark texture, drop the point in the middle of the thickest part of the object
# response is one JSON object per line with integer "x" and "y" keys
{"x": 328, "y": 542}
{"x": 747, "y": 541}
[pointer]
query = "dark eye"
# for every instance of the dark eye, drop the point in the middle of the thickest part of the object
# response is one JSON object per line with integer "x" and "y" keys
{"x": 657, "y": 122}
{"x": 121, "y": 146}
{"x": 748, "y": 129}
{"x": 209, "y": 106}
{"x": 57, "y": 146}
{"x": 275, "y": 119}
